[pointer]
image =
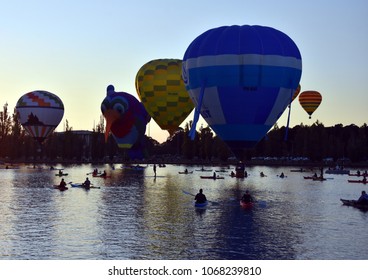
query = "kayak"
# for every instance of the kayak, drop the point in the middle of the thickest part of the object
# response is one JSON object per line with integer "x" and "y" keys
{"x": 319, "y": 179}
{"x": 136, "y": 167}
{"x": 204, "y": 170}
{"x": 57, "y": 187}
{"x": 358, "y": 181}
{"x": 183, "y": 172}
{"x": 200, "y": 205}
{"x": 246, "y": 205}
{"x": 79, "y": 185}
{"x": 101, "y": 176}
{"x": 299, "y": 170}
{"x": 354, "y": 203}
{"x": 64, "y": 174}
{"x": 211, "y": 177}
{"x": 337, "y": 171}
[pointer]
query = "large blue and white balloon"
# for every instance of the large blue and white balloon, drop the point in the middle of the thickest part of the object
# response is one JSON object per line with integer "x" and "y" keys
{"x": 241, "y": 79}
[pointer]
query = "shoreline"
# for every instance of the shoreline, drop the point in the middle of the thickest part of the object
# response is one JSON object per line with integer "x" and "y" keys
{"x": 248, "y": 163}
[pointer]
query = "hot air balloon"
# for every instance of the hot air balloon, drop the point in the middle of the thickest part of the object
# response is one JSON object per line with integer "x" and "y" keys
{"x": 241, "y": 79}
{"x": 162, "y": 91}
{"x": 126, "y": 119}
{"x": 310, "y": 101}
{"x": 40, "y": 112}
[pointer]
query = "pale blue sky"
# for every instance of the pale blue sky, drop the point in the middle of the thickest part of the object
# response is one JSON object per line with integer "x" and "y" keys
{"x": 76, "y": 48}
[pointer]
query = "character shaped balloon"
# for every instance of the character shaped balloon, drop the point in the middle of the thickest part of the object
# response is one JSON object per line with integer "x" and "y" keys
{"x": 126, "y": 119}
{"x": 310, "y": 100}
{"x": 241, "y": 79}
{"x": 162, "y": 91}
{"x": 40, "y": 112}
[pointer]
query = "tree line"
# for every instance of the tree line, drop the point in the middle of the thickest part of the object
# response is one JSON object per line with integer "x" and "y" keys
{"x": 315, "y": 142}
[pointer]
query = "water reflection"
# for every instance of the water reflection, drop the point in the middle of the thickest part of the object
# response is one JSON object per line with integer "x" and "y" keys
{"x": 137, "y": 216}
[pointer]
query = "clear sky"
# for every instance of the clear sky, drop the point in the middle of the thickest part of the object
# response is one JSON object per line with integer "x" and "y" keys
{"x": 75, "y": 48}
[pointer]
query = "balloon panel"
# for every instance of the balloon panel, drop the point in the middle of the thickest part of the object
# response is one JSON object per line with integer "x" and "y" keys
{"x": 43, "y": 116}
{"x": 248, "y": 74}
{"x": 161, "y": 89}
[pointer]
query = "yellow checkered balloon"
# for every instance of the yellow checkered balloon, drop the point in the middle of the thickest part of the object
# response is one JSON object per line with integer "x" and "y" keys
{"x": 160, "y": 87}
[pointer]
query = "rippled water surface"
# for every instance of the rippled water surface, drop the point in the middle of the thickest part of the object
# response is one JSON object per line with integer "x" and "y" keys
{"x": 135, "y": 216}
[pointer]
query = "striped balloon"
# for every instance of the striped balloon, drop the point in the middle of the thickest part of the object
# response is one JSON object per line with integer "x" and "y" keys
{"x": 241, "y": 79}
{"x": 40, "y": 112}
{"x": 310, "y": 100}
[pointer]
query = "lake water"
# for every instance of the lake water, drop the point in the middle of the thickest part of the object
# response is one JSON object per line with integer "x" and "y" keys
{"x": 135, "y": 216}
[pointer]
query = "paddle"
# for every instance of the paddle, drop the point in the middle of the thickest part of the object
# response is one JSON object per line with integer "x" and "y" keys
{"x": 188, "y": 193}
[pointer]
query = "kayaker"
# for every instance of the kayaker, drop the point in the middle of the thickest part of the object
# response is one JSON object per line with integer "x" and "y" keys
{"x": 200, "y": 197}
{"x": 282, "y": 175}
{"x": 60, "y": 172}
{"x": 214, "y": 175}
{"x": 363, "y": 199}
{"x": 62, "y": 185}
{"x": 87, "y": 183}
{"x": 247, "y": 197}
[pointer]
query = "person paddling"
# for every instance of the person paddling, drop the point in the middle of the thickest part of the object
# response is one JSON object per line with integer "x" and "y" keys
{"x": 247, "y": 198}
{"x": 363, "y": 199}
{"x": 62, "y": 185}
{"x": 87, "y": 184}
{"x": 200, "y": 197}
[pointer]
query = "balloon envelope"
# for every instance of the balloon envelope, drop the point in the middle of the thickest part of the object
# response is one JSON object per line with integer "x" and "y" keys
{"x": 126, "y": 119}
{"x": 244, "y": 77}
{"x": 162, "y": 91}
{"x": 310, "y": 100}
{"x": 40, "y": 112}
{"x": 296, "y": 92}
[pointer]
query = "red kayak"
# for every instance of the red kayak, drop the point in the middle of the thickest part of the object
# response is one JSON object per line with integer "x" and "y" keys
{"x": 246, "y": 205}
